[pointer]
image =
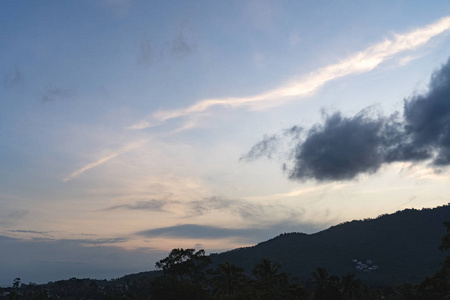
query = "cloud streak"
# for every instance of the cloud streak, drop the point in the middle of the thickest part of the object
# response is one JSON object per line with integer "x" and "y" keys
{"x": 14, "y": 78}
{"x": 100, "y": 161}
{"x": 54, "y": 94}
{"x": 251, "y": 234}
{"x": 342, "y": 148}
{"x": 29, "y": 231}
{"x": 360, "y": 62}
{"x": 151, "y": 205}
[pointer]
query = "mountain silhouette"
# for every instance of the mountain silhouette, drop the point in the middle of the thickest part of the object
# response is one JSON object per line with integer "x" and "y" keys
{"x": 390, "y": 249}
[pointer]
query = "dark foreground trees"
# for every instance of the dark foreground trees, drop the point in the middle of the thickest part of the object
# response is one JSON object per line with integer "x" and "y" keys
{"x": 184, "y": 276}
{"x": 228, "y": 281}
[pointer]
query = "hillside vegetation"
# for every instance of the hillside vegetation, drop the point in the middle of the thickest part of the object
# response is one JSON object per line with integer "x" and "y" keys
{"x": 400, "y": 247}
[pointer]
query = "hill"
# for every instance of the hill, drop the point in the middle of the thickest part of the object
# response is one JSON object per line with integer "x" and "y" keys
{"x": 391, "y": 249}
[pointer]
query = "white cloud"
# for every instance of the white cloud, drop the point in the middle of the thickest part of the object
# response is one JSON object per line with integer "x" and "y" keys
{"x": 101, "y": 161}
{"x": 140, "y": 125}
{"x": 359, "y": 62}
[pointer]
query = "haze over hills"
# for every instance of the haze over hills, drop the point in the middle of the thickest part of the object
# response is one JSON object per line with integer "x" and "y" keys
{"x": 395, "y": 248}
{"x": 390, "y": 249}
{"x": 386, "y": 253}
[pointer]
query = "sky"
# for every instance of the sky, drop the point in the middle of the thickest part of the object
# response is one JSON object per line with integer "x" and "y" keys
{"x": 129, "y": 128}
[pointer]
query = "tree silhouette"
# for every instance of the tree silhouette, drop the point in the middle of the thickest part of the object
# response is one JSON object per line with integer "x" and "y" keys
{"x": 228, "y": 279}
{"x": 272, "y": 284}
{"x": 350, "y": 287}
{"x": 267, "y": 271}
{"x": 325, "y": 286}
{"x": 445, "y": 244}
{"x": 184, "y": 275}
{"x": 16, "y": 283}
{"x": 185, "y": 264}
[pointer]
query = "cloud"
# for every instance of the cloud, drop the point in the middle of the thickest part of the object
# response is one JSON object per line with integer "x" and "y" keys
{"x": 249, "y": 211}
{"x": 152, "y": 205}
{"x": 53, "y": 94}
{"x": 101, "y": 161}
{"x": 11, "y": 216}
{"x": 181, "y": 46}
{"x": 146, "y": 53}
{"x": 246, "y": 210}
{"x": 101, "y": 241}
{"x": 140, "y": 125}
{"x": 427, "y": 119}
{"x": 14, "y": 78}
{"x": 17, "y": 213}
{"x": 267, "y": 147}
{"x": 296, "y": 88}
{"x": 341, "y": 148}
{"x": 30, "y": 231}
{"x": 300, "y": 192}
{"x": 91, "y": 165}
{"x": 271, "y": 144}
{"x": 193, "y": 231}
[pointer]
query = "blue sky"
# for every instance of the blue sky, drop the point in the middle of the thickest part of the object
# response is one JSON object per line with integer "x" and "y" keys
{"x": 129, "y": 128}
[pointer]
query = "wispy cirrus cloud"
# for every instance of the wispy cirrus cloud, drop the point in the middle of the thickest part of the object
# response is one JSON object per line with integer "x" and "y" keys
{"x": 94, "y": 242}
{"x": 360, "y": 62}
{"x": 29, "y": 231}
{"x": 54, "y": 94}
{"x": 14, "y": 78}
{"x": 246, "y": 210}
{"x": 151, "y": 205}
{"x": 102, "y": 161}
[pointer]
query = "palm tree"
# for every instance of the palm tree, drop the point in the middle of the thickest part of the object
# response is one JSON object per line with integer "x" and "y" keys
{"x": 270, "y": 282}
{"x": 267, "y": 271}
{"x": 325, "y": 285}
{"x": 228, "y": 279}
{"x": 351, "y": 287}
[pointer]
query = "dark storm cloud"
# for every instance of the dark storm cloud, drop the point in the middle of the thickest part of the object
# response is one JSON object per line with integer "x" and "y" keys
{"x": 14, "y": 78}
{"x": 54, "y": 94}
{"x": 427, "y": 119}
{"x": 341, "y": 148}
{"x": 152, "y": 205}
